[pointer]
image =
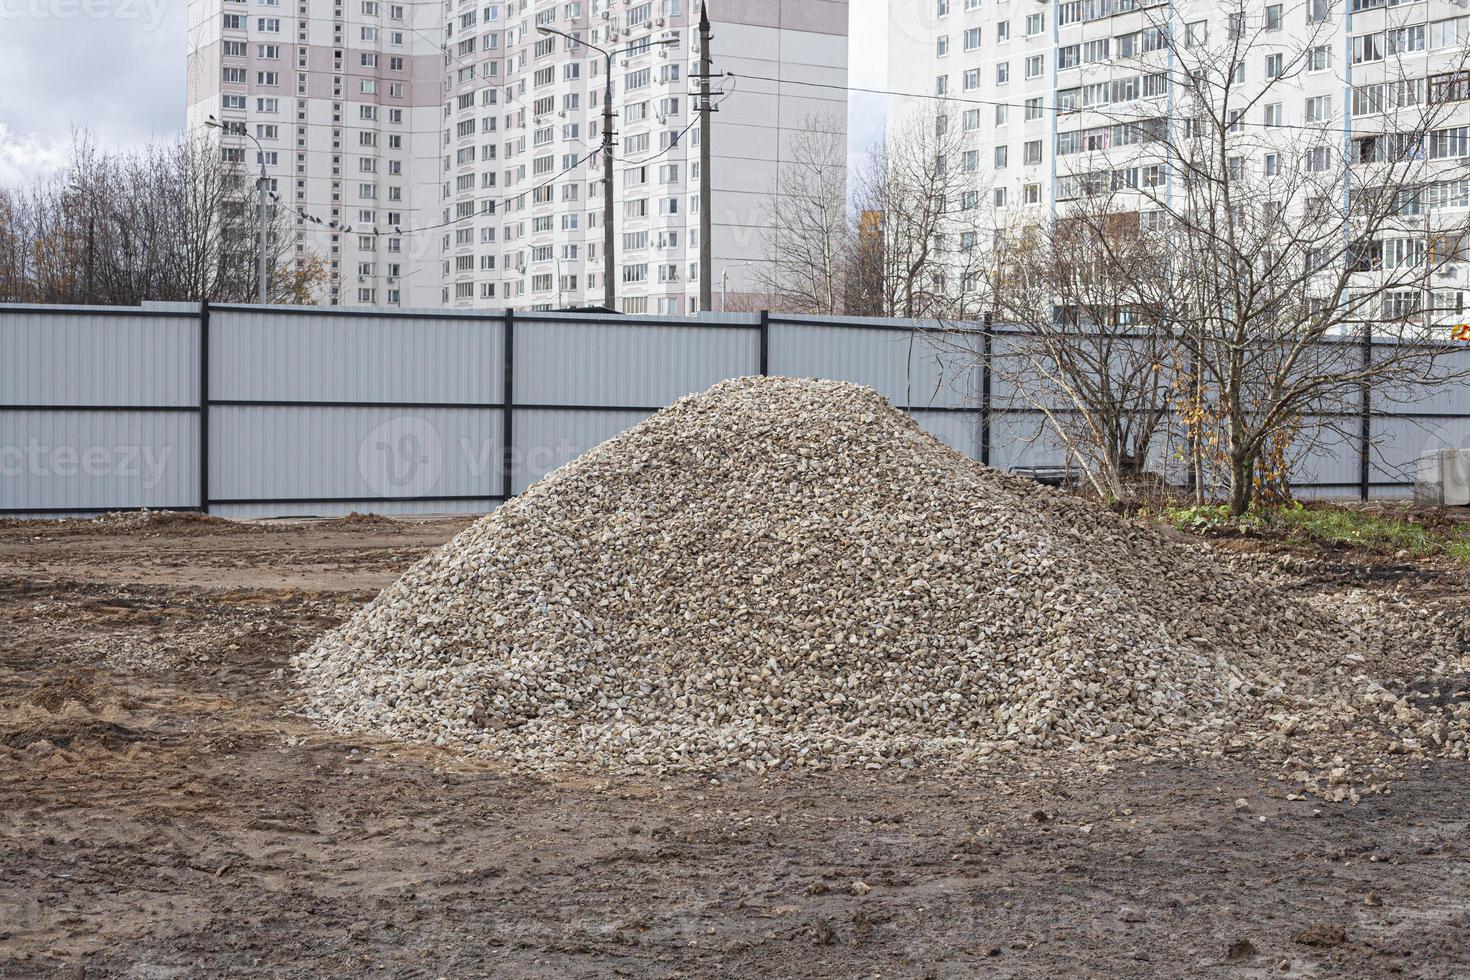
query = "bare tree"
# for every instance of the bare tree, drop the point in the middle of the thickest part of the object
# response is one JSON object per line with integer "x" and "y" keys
{"x": 808, "y": 232}
{"x": 1212, "y": 256}
{"x": 1090, "y": 339}
{"x": 918, "y": 240}
{"x": 172, "y": 221}
{"x": 1285, "y": 251}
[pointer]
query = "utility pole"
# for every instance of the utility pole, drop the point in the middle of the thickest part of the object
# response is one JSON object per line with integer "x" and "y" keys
{"x": 260, "y": 272}
{"x": 609, "y": 289}
{"x": 706, "y": 219}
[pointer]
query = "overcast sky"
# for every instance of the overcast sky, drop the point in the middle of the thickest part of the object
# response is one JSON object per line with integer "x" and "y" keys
{"x": 116, "y": 67}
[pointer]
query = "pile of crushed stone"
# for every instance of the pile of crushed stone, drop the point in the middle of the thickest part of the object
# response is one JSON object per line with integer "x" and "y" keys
{"x": 783, "y": 573}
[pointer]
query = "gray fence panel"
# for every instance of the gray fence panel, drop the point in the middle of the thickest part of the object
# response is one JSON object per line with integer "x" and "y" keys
{"x": 958, "y": 430}
{"x": 905, "y": 366}
{"x": 90, "y": 461}
{"x": 1398, "y": 442}
{"x": 545, "y": 439}
{"x": 1447, "y": 397}
{"x": 558, "y": 362}
{"x": 413, "y": 421}
{"x": 72, "y": 356}
{"x": 283, "y": 356}
{"x": 300, "y": 454}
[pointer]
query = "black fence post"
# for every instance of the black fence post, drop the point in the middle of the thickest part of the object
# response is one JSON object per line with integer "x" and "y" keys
{"x": 204, "y": 406}
{"x": 765, "y": 342}
{"x": 986, "y": 352}
{"x": 1365, "y": 417}
{"x": 507, "y": 402}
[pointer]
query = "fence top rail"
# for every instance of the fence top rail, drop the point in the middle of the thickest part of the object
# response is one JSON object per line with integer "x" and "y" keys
{"x": 58, "y": 310}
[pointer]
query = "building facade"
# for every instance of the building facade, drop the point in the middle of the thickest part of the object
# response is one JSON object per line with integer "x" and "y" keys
{"x": 1059, "y": 101}
{"x": 450, "y": 154}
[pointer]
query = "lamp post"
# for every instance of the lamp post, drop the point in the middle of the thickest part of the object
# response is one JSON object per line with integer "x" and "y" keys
{"x": 261, "y": 271}
{"x": 725, "y": 281}
{"x": 609, "y": 289}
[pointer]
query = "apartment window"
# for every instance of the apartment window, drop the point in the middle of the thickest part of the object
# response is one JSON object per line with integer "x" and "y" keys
{"x": 1196, "y": 34}
{"x": 1234, "y": 25}
{"x": 1273, "y": 114}
{"x": 1273, "y": 17}
{"x": 369, "y": 34}
{"x": 1069, "y": 56}
{"x": 267, "y": 105}
{"x": 1002, "y": 157}
{"x": 972, "y": 38}
{"x": 970, "y": 161}
{"x": 268, "y": 78}
{"x": 233, "y": 101}
{"x": 1002, "y": 31}
{"x": 235, "y": 22}
{"x": 1033, "y": 109}
{"x": 941, "y": 85}
{"x": 1367, "y": 48}
{"x": 1001, "y": 114}
{"x": 941, "y": 45}
{"x": 268, "y": 25}
{"x": 1274, "y": 65}
{"x": 233, "y": 76}
{"x": 942, "y": 7}
{"x": 970, "y": 80}
{"x": 969, "y": 200}
{"x": 1319, "y": 58}
{"x": 1031, "y": 194}
{"x": 1031, "y": 152}
{"x": 1317, "y": 159}
{"x": 1035, "y": 65}
{"x": 1035, "y": 24}
{"x": 1319, "y": 108}
{"x": 1002, "y": 73}
{"x": 234, "y": 49}
{"x": 1317, "y": 10}
{"x": 970, "y": 120}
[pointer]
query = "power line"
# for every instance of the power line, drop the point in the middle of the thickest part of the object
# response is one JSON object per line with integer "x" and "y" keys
{"x": 1324, "y": 130}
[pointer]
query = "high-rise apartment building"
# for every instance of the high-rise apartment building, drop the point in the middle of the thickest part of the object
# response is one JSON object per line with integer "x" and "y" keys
{"x": 1061, "y": 101}
{"x": 461, "y": 144}
{"x": 338, "y": 99}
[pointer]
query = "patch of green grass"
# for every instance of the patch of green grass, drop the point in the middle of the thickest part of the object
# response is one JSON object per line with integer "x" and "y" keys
{"x": 1327, "y": 524}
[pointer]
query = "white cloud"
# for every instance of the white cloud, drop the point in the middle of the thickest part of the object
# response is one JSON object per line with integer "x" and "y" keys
{"x": 115, "y": 67}
{"x": 23, "y": 159}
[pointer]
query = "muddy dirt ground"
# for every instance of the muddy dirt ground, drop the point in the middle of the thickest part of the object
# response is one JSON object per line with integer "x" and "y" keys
{"x": 163, "y": 815}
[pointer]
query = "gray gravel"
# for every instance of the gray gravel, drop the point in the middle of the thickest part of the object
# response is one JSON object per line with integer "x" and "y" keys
{"x": 783, "y": 573}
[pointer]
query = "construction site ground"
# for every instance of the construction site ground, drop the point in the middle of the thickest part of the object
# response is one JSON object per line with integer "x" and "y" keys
{"x": 163, "y": 813}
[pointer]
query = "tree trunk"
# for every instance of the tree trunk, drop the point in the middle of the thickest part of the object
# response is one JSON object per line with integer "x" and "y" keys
{"x": 1242, "y": 480}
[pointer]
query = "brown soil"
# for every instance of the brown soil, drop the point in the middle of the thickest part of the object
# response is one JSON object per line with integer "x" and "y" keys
{"x": 163, "y": 815}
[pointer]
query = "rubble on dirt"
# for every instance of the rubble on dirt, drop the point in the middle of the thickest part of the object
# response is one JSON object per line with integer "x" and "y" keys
{"x": 781, "y": 573}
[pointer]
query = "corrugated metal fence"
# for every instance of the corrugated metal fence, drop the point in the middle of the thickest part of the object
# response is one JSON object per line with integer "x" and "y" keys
{"x": 251, "y": 411}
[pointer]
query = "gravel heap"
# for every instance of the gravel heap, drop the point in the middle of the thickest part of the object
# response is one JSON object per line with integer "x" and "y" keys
{"x": 780, "y": 573}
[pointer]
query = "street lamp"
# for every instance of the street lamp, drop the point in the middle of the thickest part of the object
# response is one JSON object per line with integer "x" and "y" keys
{"x": 260, "y": 184}
{"x": 609, "y": 290}
{"x": 725, "y": 281}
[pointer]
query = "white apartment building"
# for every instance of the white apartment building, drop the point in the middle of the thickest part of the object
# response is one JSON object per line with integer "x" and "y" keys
{"x": 337, "y": 97}
{"x": 1039, "y": 88}
{"x": 461, "y": 145}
